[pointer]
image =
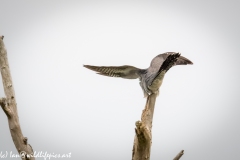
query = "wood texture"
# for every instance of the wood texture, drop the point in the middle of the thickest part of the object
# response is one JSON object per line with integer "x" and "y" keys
{"x": 143, "y": 137}
{"x": 9, "y": 106}
{"x": 143, "y": 131}
{"x": 179, "y": 155}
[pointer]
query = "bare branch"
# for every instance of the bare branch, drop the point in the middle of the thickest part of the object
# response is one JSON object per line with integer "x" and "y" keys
{"x": 143, "y": 137}
{"x": 9, "y": 107}
{"x": 179, "y": 155}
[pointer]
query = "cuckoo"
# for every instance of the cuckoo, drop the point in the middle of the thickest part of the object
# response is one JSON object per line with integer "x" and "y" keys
{"x": 148, "y": 77}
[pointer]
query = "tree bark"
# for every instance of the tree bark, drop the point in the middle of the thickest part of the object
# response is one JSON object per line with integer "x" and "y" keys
{"x": 143, "y": 131}
{"x": 9, "y": 106}
{"x": 143, "y": 136}
{"x": 179, "y": 155}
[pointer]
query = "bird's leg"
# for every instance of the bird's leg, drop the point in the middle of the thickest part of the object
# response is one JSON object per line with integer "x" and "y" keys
{"x": 157, "y": 82}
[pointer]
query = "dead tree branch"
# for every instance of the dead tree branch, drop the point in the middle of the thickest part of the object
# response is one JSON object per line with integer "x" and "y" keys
{"x": 179, "y": 155}
{"x": 143, "y": 131}
{"x": 143, "y": 137}
{"x": 9, "y": 107}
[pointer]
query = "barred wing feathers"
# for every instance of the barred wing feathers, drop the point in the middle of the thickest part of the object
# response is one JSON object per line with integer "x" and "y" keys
{"x": 125, "y": 71}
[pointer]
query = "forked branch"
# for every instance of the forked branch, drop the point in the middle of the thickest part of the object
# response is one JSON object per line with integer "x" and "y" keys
{"x": 143, "y": 136}
{"x": 143, "y": 131}
{"x": 9, "y": 107}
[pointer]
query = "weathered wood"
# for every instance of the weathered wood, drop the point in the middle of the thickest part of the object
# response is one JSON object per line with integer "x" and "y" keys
{"x": 143, "y": 137}
{"x": 179, "y": 155}
{"x": 9, "y": 107}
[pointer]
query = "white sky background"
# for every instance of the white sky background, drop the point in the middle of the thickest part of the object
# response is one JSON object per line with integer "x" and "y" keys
{"x": 64, "y": 107}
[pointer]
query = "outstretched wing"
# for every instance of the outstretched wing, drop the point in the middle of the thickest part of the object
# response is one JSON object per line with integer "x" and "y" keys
{"x": 125, "y": 71}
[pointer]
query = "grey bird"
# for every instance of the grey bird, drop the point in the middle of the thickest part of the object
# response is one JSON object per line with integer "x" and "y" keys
{"x": 159, "y": 65}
